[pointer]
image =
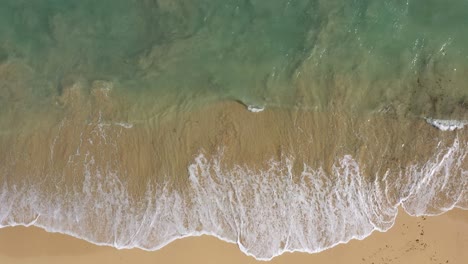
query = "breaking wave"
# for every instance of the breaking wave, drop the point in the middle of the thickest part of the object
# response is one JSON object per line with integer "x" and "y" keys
{"x": 265, "y": 212}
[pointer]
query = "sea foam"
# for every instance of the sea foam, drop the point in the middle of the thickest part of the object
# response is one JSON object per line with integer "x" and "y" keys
{"x": 255, "y": 109}
{"x": 447, "y": 125}
{"x": 265, "y": 212}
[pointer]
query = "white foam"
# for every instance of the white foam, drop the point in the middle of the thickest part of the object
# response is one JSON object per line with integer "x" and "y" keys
{"x": 255, "y": 109}
{"x": 447, "y": 125}
{"x": 265, "y": 212}
{"x": 439, "y": 184}
{"x": 124, "y": 125}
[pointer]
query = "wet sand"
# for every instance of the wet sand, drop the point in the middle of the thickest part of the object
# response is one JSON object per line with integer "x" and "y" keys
{"x": 91, "y": 170}
{"x": 439, "y": 239}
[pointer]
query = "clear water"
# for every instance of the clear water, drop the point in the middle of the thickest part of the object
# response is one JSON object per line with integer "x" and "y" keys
{"x": 373, "y": 56}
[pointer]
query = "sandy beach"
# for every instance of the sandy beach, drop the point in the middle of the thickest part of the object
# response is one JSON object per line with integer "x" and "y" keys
{"x": 439, "y": 239}
{"x": 159, "y": 131}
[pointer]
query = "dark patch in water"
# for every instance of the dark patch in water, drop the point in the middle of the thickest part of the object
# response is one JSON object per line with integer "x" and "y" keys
{"x": 3, "y": 55}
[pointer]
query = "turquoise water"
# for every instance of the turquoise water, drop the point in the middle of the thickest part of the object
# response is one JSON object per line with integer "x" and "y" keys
{"x": 408, "y": 57}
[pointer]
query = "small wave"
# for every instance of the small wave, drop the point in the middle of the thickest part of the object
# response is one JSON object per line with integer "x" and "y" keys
{"x": 255, "y": 109}
{"x": 124, "y": 125}
{"x": 447, "y": 125}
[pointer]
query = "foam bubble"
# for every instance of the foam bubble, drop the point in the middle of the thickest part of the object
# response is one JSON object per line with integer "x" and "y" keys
{"x": 447, "y": 125}
{"x": 255, "y": 109}
{"x": 124, "y": 125}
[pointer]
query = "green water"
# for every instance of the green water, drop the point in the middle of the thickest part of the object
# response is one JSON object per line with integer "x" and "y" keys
{"x": 398, "y": 57}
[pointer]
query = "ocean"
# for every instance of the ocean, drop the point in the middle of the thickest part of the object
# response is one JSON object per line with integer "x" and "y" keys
{"x": 277, "y": 125}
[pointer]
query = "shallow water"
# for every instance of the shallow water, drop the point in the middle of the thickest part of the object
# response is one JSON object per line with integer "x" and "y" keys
{"x": 391, "y": 56}
{"x": 126, "y": 123}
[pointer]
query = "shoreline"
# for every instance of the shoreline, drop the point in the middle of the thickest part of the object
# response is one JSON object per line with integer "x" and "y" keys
{"x": 416, "y": 239}
{"x": 210, "y": 132}
{"x": 253, "y": 190}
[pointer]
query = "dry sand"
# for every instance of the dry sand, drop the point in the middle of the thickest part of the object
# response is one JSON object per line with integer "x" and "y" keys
{"x": 440, "y": 239}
